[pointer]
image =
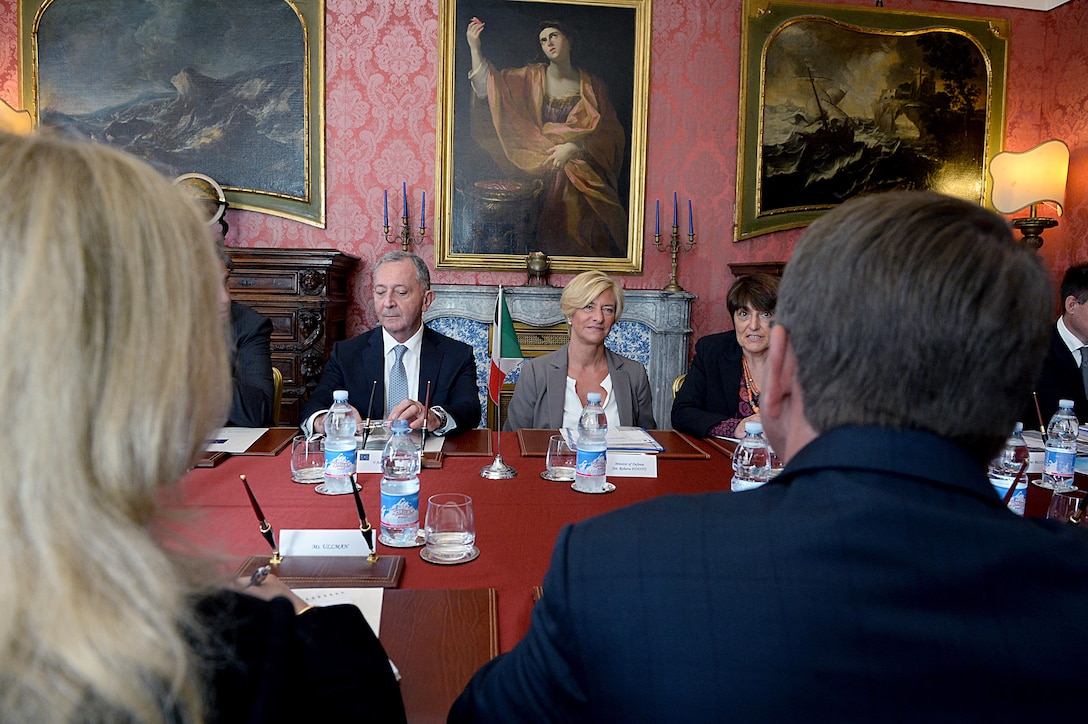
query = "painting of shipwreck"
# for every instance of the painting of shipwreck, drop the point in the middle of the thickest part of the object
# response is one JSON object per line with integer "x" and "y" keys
{"x": 847, "y": 109}
{"x": 848, "y": 112}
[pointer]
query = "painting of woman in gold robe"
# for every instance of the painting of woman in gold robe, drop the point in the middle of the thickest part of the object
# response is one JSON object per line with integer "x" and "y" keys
{"x": 551, "y": 127}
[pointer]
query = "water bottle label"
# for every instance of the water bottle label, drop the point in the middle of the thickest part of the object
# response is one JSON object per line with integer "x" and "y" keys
{"x": 592, "y": 462}
{"x": 1001, "y": 483}
{"x": 339, "y": 462}
{"x": 400, "y": 517}
{"x": 1059, "y": 463}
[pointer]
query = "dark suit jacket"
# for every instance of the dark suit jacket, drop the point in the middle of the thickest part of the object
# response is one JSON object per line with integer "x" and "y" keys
{"x": 356, "y": 363}
{"x": 542, "y": 389}
{"x": 265, "y": 664}
{"x": 878, "y": 578}
{"x": 1059, "y": 379}
{"x": 251, "y": 404}
{"x": 710, "y": 391}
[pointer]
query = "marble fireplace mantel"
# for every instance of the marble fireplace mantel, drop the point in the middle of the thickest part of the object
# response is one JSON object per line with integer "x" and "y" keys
{"x": 654, "y": 329}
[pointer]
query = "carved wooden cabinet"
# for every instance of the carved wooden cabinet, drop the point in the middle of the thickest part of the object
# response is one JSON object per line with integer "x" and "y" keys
{"x": 305, "y": 294}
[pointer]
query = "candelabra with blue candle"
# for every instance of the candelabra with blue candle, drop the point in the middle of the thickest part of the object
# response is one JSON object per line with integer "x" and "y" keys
{"x": 674, "y": 246}
{"x": 405, "y": 236}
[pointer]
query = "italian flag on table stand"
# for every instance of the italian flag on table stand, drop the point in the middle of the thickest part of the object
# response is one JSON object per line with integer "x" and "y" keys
{"x": 505, "y": 357}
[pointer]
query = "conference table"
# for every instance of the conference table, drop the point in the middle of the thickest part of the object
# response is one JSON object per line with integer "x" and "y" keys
{"x": 442, "y": 622}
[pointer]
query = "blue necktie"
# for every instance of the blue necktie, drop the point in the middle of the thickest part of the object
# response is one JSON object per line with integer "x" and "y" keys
{"x": 398, "y": 381}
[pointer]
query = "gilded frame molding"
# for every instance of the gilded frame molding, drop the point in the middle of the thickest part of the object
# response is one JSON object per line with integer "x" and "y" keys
{"x": 796, "y": 159}
{"x": 281, "y": 172}
{"x": 478, "y": 231}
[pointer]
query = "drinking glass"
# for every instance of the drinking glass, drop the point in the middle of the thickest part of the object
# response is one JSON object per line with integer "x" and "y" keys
{"x": 450, "y": 528}
{"x": 561, "y": 461}
{"x": 1067, "y": 506}
{"x": 308, "y": 460}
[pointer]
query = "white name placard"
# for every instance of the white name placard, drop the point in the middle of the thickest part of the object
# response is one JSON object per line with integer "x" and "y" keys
{"x": 632, "y": 465}
{"x": 369, "y": 461}
{"x": 323, "y": 543}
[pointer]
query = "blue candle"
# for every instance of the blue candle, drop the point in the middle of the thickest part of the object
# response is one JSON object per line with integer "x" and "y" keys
{"x": 675, "y": 214}
{"x": 385, "y": 196}
{"x": 657, "y": 217}
{"x": 691, "y": 221}
{"x": 423, "y": 212}
{"x": 404, "y": 193}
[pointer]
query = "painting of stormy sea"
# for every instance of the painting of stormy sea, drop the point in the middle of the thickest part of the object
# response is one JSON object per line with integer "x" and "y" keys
{"x": 215, "y": 87}
{"x": 849, "y": 112}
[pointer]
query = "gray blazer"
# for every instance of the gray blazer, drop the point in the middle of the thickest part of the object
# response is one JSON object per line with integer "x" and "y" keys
{"x": 542, "y": 388}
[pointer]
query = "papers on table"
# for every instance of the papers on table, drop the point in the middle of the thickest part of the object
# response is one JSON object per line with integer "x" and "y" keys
{"x": 621, "y": 439}
{"x": 380, "y": 435}
{"x": 1034, "y": 439}
{"x": 369, "y": 458}
{"x": 234, "y": 440}
{"x": 367, "y": 600}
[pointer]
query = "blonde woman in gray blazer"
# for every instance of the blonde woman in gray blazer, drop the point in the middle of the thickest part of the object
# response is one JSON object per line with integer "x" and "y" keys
{"x": 551, "y": 389}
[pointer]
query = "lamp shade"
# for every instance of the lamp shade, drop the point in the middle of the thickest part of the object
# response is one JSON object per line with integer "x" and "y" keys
{"x": 1031, "y": 177}
{"x": 12, "y": 121}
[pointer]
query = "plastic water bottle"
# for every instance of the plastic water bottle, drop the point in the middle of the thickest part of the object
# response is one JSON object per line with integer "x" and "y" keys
{"x": 592, "y": 457}
{"x": 777, "y": 464}
{"x": 1061, "y": 448}
{"x": 400, "y": 488}
{"x": 1006, "y": 466}
{"x": 339, "y": 445}
{"x": 751, "y": 459}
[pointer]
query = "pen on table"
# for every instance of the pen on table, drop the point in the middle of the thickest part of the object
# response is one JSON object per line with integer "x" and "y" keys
{"x": 1039, "y": 412}
{"x": 259, "y": 575}
{"x": 265, "y": 527}
{"x": 426, "y": 414}
{"x": 366, "y": 426}
{"x": 364, "y": 525}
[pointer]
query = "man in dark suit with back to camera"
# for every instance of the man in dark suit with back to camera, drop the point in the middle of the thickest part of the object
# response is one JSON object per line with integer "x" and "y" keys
{"x": 401, "y": 354}
{"x": 253, "y": 389}
{"x": 878, "y": 577}
{"x": 1063, "y": 375}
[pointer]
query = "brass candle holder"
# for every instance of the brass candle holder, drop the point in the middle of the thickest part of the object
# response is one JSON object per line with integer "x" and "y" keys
{"x": 404, "y": 236}
{"x": 674, "y": 247}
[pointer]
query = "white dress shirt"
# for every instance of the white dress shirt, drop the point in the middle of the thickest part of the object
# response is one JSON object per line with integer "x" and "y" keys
{"x": 572, "y": 404}
{"x": 1070, "y": 340}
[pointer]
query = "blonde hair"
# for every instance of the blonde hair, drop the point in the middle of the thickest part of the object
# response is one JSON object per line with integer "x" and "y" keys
{"x": 586, "y": 287}
{"x": 113, "y": 368}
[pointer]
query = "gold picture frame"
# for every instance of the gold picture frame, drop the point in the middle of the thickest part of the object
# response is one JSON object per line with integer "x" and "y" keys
{"x": 837, "y": 101}
{"x": 237, "y": 95}
{"x": 497, "y": 199}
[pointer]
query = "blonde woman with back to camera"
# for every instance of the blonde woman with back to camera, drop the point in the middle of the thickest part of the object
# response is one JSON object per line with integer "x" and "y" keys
{"x": 114, "y": 361}
{"x": 551, "y": 389}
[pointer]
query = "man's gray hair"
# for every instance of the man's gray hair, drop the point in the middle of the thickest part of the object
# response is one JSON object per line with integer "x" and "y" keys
{"x": 916, "y": 310}
{"x": 423, "y": 274}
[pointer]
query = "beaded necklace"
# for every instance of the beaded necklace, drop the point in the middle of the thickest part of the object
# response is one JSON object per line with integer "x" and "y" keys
{"x": 750, "y": 384}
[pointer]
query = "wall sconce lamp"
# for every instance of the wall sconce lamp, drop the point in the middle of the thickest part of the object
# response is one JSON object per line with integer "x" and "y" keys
{"x": 13, "y": 121}
{"x": 1028, "y": 179}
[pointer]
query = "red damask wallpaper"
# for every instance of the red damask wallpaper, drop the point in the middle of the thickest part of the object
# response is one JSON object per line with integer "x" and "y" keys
{"x": 381, "y": 67}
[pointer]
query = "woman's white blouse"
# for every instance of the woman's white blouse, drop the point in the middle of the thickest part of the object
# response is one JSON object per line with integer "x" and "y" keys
{"x": 572, "y": 404}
